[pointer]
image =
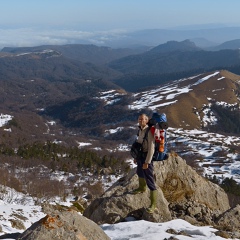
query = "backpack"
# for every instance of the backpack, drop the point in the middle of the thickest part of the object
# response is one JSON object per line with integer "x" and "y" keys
{"x": 158, "y": 127}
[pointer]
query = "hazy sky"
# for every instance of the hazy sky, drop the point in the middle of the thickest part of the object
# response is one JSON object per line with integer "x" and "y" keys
{"x": 23, "y": 21}
{"x": 110, "y": 14}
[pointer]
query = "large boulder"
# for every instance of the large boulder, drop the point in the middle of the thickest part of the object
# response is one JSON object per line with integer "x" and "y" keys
{"x": 180, "y": 183}
{"x": 180, "y": 190}
{"x": 64, "y": 225}
{"x": 118, "y": 203}
{"x": 190, "y": 196}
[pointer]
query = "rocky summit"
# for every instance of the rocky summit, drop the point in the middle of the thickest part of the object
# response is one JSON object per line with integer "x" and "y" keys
{"x": 182, "y": 193}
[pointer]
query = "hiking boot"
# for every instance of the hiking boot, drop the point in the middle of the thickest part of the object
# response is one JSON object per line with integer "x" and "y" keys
{"x": 153, "y": 198}
{"x": 142, "y": 186}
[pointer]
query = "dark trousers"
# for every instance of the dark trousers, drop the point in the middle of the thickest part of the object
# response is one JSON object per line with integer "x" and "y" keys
{"x": 146, "y": 173}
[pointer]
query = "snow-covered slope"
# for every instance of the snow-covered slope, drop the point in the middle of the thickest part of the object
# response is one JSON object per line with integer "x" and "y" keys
{"x": 18, "y": 210}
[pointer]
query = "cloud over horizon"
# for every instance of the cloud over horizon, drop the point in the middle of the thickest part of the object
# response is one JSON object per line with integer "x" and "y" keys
{"x": 29, "y": 37}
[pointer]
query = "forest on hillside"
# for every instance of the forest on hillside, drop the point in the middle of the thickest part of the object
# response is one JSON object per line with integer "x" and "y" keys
{"x": 31, "y": 168}
{"x": 228, "y": 119}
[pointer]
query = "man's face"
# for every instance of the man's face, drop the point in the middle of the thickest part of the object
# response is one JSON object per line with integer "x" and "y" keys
{"x": 142, "y": 121}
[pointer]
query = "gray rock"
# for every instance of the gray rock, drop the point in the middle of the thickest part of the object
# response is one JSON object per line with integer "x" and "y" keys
{"x": 181, "y": 192}
{"x": 118, "y": 203}
{"x": 180, "y": 183}
{"x": 64, "y": 225}
{"x": 230, "y": 220}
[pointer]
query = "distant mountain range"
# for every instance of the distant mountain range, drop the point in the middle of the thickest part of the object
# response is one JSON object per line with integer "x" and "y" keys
{"x": 202, "y": 36}
{"x": 50, "y": 85}
{"x": 123, "y": 67}
{"x": 81, "y": 52}
{"x": 50, "y": 65}
{"x": 233, "y": 44}
{"x": 159, "y": 36}
{"x": 175, "y": 57}
{"x": 172, "y": 46}
{"x": 172, "y": 60}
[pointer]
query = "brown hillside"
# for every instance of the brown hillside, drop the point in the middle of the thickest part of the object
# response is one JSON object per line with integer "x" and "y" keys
{"x": 189, "y": 106}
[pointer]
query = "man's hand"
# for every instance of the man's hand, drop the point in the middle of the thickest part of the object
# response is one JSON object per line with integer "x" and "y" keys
{"x": 145, "y": 166}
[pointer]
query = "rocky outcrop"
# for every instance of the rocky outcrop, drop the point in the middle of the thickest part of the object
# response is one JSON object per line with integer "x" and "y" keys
{"x": 180, "y": 184}
{"x": 182, "y": 193}
{"x": 118, "y": 203}
{"x": 64, "y": 225}
{"x": 230, "y": 220}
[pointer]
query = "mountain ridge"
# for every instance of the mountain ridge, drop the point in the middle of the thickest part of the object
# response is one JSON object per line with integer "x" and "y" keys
{"x": 48, "y": 64}
{"x": 232, "y": 44}
{"x": 72, "y": 104}
{"x": 154, "y": 37}
{"x": 98, "y": 55}
{"x": 175, "y": 61}
{"x": 171, "y": 46}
